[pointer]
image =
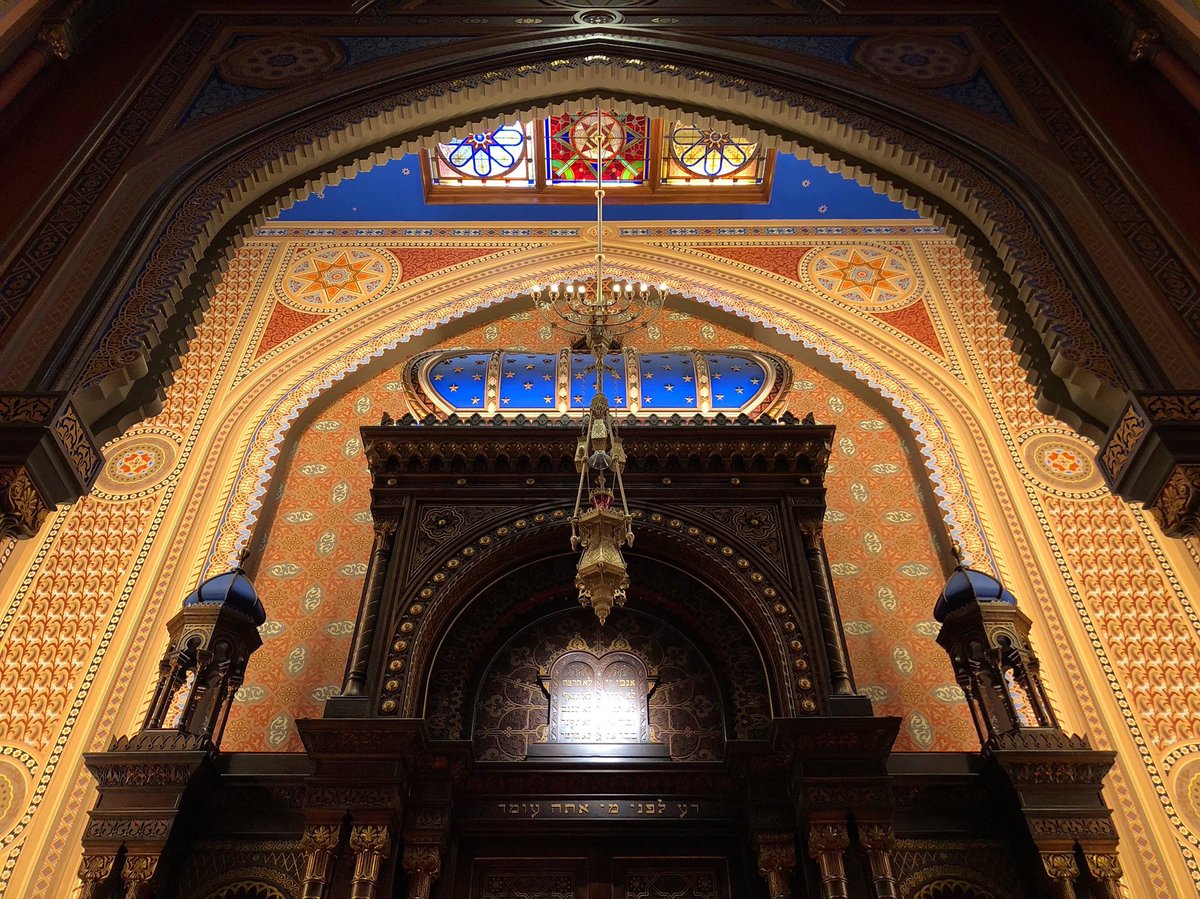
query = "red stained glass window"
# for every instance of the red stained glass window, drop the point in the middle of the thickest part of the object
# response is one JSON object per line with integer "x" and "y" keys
{"x": 574, "y": 140}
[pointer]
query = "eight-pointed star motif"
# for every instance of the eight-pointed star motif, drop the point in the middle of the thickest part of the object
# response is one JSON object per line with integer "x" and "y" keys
{"x": 338, "y": 276}
{"x": 866, "y": 276}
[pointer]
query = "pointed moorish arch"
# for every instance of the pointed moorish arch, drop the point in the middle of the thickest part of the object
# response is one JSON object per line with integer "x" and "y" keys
{"x": 1051, "y": 290}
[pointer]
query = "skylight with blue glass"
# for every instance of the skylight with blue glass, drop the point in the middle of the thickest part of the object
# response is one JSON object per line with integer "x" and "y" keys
{"x": 668, "y": 381}
{"x": 461, "y": 379}
{"x": 583, "y": 381}
{"x": 732, "y": 379}
{"x": 682, "y": 381}
{"x": 527, "y": 382}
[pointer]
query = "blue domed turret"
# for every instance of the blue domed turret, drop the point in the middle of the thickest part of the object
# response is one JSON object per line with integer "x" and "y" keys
{"x": 965, "y": 586}
{"x": 232, "y": 589}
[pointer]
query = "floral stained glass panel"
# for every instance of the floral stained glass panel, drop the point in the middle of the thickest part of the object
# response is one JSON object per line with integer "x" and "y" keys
{"x": 499, "y": 158}
{"x": 695, "y": 155}
{"x": 575, "y": 140}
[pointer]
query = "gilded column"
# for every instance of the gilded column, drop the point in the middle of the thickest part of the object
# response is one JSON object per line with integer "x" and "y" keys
{"x": 1106, "y": 868}
{"x": 137, "y": 873}
{"x": 776, "y": 861}
{"x": 319, "y": 843}
{"x": 93, "y": 872}
{"x": 1062, "y": 869}
{"x": 827, "y": 843}
{"x": 368, "y": 613}
{"x": 878, "y": 840}
{"x": 371, "y": 844}
{"x": 840, "y": 681}
{"x": 422, "y": 866}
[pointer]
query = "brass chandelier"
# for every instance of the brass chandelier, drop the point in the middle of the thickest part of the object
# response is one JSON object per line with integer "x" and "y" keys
{"x": 598, "y": 313}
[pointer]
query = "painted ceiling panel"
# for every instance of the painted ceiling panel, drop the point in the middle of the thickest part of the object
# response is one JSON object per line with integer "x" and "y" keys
{"x": 392, "y": 192}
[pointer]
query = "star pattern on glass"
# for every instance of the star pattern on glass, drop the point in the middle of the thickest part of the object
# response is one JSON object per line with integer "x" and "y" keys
{"x": 337, "y": 276}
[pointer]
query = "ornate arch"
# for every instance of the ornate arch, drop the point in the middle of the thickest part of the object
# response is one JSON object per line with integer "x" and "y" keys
{"x": 189, "y": 245}
{"x": 480, "y": 555}
{"x": 910, "y": 382}
{"x": 533, "y": 594}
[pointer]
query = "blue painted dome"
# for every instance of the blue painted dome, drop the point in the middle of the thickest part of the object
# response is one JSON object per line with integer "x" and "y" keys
{"x": 965, "y": 586}
{"x": 232, "y": 589}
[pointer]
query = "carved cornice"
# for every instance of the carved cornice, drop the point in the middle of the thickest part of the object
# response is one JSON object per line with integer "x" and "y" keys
{"x": 546, "y": 446}
{"x": 1152, "y": 455}
{"x": 362, "y": 740}
{"x": 47, "y": 456}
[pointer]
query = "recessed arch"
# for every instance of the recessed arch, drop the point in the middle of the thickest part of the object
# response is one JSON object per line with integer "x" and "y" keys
{"x": 922, "y": 390}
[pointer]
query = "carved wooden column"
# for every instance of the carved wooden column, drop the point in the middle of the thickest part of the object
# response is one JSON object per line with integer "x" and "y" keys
{"x": 1063, "y": 870}
{"x": 776, "y": 861}
{"x": 422, "y": 866}
{"x": 827, "y": 843}
{"x": 368, "y": 612}
{"x": 878, "y": 841}
{"x": 137, "y": 872}
{"x": 371, "y": 844}
{"x": 94, "y": 871}
{"x": 319, "y": 843}
{"x": 840, "y": 681}
{"x": 1106, "y": 868}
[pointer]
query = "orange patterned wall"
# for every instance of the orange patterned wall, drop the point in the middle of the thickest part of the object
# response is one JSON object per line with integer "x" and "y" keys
{"x": 880, "y": 543}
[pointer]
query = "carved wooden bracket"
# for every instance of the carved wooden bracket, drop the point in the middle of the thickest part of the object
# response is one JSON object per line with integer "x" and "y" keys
{"x": 1152, "y": 455}
{"x": 47, "y": 456}
{"x": 319, "y": 844}
{"x": 1063, "y": 870}
{"x": 137, "y": 872}
{"x": 94, "y": 871}
{"x": 1106, "y": 868}
{"x": 422, "y": 866}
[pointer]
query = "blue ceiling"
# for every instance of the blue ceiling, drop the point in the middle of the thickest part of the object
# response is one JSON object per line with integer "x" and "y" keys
{"x": 392, "y": 193}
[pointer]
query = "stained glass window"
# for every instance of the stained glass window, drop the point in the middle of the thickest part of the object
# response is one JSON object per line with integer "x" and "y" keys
{"x": 695, "y": 155}
{"x": 682, "y": 381}
{"x": 574, "y": 140}
{"x": 499, "y": 158}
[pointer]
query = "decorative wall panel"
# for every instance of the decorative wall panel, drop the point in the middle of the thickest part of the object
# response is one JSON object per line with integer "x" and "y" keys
{"x": 886, "y": 564}
{"x": 685, "y": 709}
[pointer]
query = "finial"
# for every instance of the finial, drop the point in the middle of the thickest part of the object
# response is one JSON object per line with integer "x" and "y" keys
{"x": 809, "y": 419}
{"x": 387, "y": 420}
{"x": 242, "y": 556}
{"x": 957, "y": 552}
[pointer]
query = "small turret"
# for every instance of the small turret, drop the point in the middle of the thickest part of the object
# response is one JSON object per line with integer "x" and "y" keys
{"x": 987, "y": 638}
{"x": 212, "y": 638}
